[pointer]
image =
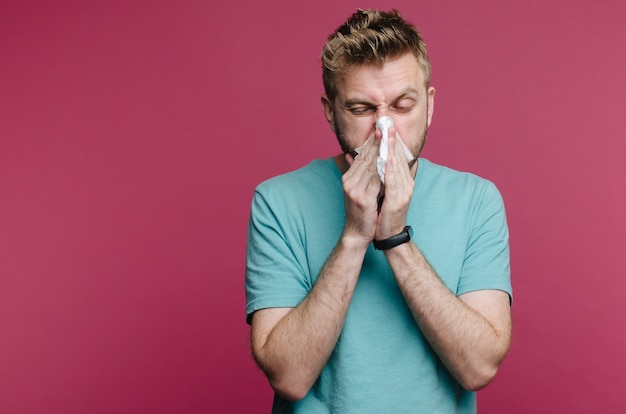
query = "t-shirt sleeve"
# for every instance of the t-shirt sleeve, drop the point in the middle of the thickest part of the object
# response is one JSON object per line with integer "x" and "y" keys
{"x": 487, "y": 259}
{"x": 275, "y": 276}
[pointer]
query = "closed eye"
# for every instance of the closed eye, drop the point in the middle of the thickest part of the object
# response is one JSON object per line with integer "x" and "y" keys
{"x": 404, "y": 106}
{"x": 361, "y": 110}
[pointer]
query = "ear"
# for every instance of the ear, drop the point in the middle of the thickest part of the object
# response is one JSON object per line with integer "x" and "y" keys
{"x": 329, "y": 112}
{"x": 431, "y": 104}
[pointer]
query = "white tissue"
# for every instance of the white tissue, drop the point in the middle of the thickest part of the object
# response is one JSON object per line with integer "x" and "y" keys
{"x": 384, "y": 123}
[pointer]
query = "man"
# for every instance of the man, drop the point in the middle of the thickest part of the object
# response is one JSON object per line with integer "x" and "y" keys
{"x": 350, "y": 313}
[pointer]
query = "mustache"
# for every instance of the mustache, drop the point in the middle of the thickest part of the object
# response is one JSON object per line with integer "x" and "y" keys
{"x": 354, "y": 153}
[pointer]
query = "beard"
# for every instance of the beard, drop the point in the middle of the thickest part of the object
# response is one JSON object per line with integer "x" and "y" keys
{"x": 346, "y": 148}
{"x": 416, "y": 149}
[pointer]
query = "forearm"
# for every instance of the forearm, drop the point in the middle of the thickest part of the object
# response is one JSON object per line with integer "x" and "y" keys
{"x": 296, "y": 349}
{"x": 471, "y": 344}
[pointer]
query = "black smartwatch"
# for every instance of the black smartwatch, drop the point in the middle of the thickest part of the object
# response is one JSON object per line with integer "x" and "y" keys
{"x": 394, "y": 241}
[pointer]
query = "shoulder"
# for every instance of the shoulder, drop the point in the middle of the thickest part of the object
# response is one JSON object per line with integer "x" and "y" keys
{"x": 435, "y": 173}
{"x": 314, "y": 179}
{"x": 301, "y": 190}
{"x": 449, "y": 182}
{"x": 315, "y": 173}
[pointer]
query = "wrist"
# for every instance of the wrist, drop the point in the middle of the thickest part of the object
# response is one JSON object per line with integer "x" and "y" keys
{"x": 353, "y": 242}
{"x": 398, "y": 239}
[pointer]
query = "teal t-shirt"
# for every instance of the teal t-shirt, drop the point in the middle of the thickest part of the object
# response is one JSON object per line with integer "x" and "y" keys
{"x": 381, "y": 363}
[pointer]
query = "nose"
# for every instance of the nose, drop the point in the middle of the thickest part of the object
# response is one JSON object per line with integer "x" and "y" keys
{"x": 382, "y": 111}
{"x": 384, "y": 123}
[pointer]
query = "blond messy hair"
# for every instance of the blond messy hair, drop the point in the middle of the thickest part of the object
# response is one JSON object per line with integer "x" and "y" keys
{"x": 369, "y": 37}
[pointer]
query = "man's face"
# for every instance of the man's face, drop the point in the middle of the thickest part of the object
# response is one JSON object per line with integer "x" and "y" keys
{"x": 396, "y": 90}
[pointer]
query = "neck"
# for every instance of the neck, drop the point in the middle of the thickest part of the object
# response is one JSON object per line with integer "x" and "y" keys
{"x": 341, "y": 162}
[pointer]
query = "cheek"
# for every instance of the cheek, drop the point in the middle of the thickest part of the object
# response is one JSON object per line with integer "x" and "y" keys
{"x": 358, "y": 130}
{"x": 409, "y": 126}
{"x": 419, "y": 122}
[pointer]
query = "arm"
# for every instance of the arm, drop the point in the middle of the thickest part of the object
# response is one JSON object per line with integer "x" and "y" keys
{"x": 292, "y": 345}
{"x": 471, "y": 333}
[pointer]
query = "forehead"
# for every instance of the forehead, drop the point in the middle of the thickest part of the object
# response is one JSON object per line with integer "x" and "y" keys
{"x": 393, "y": 77}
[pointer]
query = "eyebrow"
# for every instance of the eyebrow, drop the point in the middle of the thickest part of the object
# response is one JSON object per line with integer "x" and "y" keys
{"x": 359, "y": 101}
{"x": 354, "y": 102}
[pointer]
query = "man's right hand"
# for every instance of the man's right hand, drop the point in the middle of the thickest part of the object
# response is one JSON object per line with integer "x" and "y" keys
{"x": 361, "y": 187}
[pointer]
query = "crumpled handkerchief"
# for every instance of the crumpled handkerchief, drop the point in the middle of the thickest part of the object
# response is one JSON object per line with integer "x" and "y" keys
{"x": 384, "y": 123}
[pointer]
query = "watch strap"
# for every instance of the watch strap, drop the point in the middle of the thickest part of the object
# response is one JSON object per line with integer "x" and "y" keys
{"x": 393, "y": 241}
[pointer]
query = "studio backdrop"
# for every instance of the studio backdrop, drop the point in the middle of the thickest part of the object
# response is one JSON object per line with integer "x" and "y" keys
{"x": 132, "y": 136}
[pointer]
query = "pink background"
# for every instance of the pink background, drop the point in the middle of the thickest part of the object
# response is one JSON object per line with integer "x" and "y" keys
{"x": 132, "y": 134}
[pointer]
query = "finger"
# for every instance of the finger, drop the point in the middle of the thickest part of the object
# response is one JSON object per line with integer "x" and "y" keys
{"x": 397, "y": 176}
{"x": 369, "y": 151}
{"x": 362, "y": 175}
{"x": 372, "y": 141}
{"x": 399, "y": 152}
{"x": 361, "y": 179}
{"x": 395, "y": 147}
{"x": 350, "y": 159}
{"x": 392, "y": 131}
{"x": 400, "y": 148}
{"x": 359, "y": 170}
